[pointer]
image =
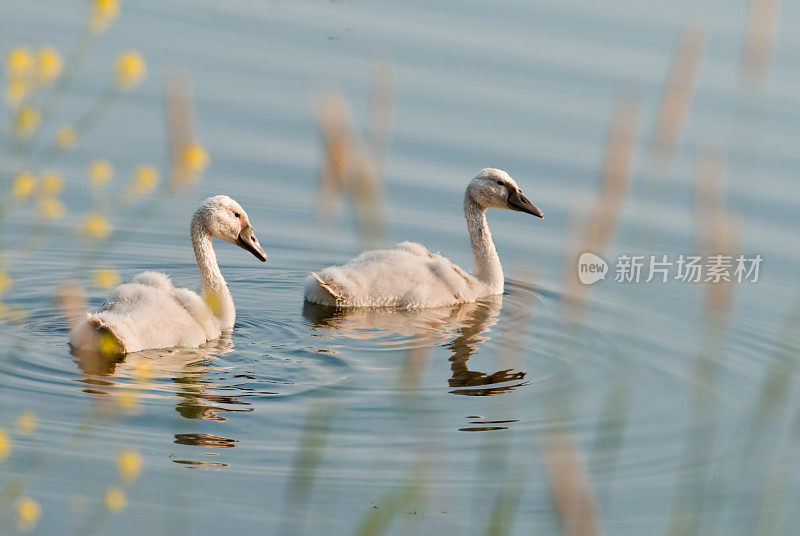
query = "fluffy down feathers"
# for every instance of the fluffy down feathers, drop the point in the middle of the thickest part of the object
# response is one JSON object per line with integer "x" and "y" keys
{"x": 407, "y": 275}
{"x": 149, "y": 312}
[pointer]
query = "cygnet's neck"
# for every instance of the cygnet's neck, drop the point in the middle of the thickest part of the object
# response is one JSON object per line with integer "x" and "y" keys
{"x": 215, "y": 290}
{"x": 487, "y": 263}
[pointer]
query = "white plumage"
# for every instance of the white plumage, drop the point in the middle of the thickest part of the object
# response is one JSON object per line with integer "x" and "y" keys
{"x": 410, "y": 276}
{"x": 149, "y": 312}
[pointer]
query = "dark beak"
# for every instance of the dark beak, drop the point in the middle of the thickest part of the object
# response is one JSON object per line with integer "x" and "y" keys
{"x": 247, "y": 240}
{"x": 517, "y": 201}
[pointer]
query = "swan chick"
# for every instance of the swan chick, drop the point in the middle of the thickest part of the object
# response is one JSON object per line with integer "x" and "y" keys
{"x": 411, "y": 276}
{"x": 150, "y": 312}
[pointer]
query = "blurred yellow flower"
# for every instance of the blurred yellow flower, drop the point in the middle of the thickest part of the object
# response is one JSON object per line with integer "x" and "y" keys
{"x": 66, "y": 136}
{"x": 128, "y": 400}
{"x": 108, "y": 345}
{"x": 28, "y": 512}
{"x": 100, "y": 172}
{"x": 95, "y": 225}
{"x": 24, "y": 185}
{"x": 48, "y": 64}
{"x": 5, "y": 445}
{"x": 19, "y": 62}
{"x": 27, "y": 422}
{"x": 130, "y": 69}
{"x": 26, "y": 121}
{"x": 129, "y": 464}
{"x": 142, "y": 370}
{"x": 5, "y": 281}
{"x": 16, "y": 315}
{"x": 213, "y": 301}
{"x": 103, "y": 13}
{"x": 52, "y": 183}
{"x": 51, "y": 208}
{"x": 195, "y": 157}
{"x": 115, "y": 499}
{"x": 145, "y": 179}
{"x": 16, "y": 90}
{"x": 106, "y": 278}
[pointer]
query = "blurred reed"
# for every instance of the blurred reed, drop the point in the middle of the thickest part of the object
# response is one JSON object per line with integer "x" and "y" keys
{"x": 307, "y": 462}
{"x": 571, "y": 488}
{"x": 697, "y": 494}
{"x": 352, "y": 167}
{"x": 495, "y": 457}
{"x": 608, "y": 205}
{"x": 762, "y": 28}
{"x": 379, "y": 520}
{"x": 410, "y": 491}
{"x": 676, "y": 100}
{"x": 188, "y": 159}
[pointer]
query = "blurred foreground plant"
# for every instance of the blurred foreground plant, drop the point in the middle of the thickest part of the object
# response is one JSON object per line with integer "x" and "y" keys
{"x": 31, "y": 186}
{"x": 351, "y": 166}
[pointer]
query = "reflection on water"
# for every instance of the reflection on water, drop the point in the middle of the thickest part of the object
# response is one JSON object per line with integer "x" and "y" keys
{"x": 205, "y": 440}
{"x": 202, "y": 465}
{"x": 470, "y": 322}
{"x": 468, "y": 382}
{"x": 181, "y": 372}
{"x": 484, "y": 425}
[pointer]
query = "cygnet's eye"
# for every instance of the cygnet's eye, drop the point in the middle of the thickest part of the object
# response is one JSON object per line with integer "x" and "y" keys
{"x": 500, "y": 183}
{"x": 237, "y": 214}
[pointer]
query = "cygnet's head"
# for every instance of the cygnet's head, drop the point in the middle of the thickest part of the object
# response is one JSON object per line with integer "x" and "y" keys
{"x": 494, "y": 188}
{"x": 222, "y": 217}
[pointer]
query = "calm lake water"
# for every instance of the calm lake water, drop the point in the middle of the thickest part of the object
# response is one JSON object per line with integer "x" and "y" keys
{"x": 454, "y": 403}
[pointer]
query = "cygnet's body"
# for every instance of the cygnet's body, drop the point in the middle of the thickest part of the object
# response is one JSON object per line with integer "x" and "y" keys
{"x": 149, "y": 312}
{"x": 411, "y": 276}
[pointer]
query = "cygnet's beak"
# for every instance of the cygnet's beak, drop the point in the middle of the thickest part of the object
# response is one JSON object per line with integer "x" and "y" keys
{"x": 517, "y": 201}
{"x": 247, "y": 240}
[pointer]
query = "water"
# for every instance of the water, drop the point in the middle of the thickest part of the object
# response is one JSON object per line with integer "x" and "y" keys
{"x": 465, "y": 397}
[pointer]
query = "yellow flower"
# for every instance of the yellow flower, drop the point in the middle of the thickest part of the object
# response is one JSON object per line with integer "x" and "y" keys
{"x": 51, "y": 208}
{"x": 5, "y": 445}
{"x": 51, "y": 183}
{"x": 24, "y": 185}
{"x": 66, "y": 136}
{"x": 100, "y": 172}
{"x": 103, "y": 13}
{"x": 115, "y": 499}
{"x": 15, "y": 91}
{"x": 129, "y": 464}
{"x": 96, "y": 226}
{"x": 130, "y": 69}
{"x": 27, "y": 422}
{"x": 145, "y": 179}
{"x": 195, "y": 157}
{"x": 48, "y": 64}
{"x": 142, "y": 370}
{"x": 213, "y": 301}
{"x": 26, "y": 121}
{"x": 108, "y": 345}
{"x": 16, "y": 315}
{"x": 5, "y": 282}
{"x": 129, "y": 400}
{"x": 106, "y": 278}
{"x": 19, "y": 62}
{"x": 28, "y": 512}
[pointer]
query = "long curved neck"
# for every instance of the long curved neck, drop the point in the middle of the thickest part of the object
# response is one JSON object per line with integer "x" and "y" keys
{"x": 487, "y": 263}
{"x": 215, "y": 290}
